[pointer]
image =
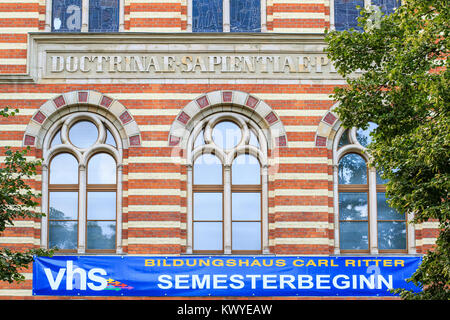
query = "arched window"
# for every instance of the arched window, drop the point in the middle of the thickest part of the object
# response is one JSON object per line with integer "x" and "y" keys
{"x": 67, "y": 15}
{"x": 365, "y": 222}
{"x": 83, "y": 157}
{"x": 227, "y": 186}
{"x": 346, "y": 12}
{"x": 227, "y": 15}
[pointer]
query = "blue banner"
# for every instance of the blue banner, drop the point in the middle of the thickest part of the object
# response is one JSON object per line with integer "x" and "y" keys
{"x": 221, "y": 276}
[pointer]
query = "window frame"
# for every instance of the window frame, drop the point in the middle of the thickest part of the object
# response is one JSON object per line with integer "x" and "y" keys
{"x": 84, "y": 16}
{"x": 83, "y": 156}
{"x": 227, "y": 188}
{"x": 333, "y": 13}
{"x": 226, "y": 16}
{"x": 372, "y": 188}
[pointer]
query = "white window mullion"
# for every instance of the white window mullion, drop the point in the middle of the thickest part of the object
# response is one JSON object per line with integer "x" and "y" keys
{"x": 226, "y": 15}
{"x": 85, "y": 16}
{"x": 373, "y": 216}
{"x": 227, "y": 209}
{"x": 189, "y": 210}
{"x": 82, "y": 210}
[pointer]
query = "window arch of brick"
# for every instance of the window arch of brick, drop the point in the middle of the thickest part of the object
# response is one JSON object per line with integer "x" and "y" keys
{"x": 228, "y": 100}
{"x": 82, "y": 101}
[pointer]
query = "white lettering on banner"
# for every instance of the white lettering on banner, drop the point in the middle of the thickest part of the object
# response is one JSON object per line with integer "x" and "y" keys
{"x": 198, "y": 64}
{"x": 77, "y": 275}
{"x": 271, "y": 281}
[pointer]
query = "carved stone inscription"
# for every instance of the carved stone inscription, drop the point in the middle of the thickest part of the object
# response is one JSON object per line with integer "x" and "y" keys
{"x": 192, "y": 65}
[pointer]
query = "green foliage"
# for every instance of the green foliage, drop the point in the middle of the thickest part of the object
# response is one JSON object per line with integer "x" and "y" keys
{"x": 16, "y": 200}
{"x": 398, "y": 77}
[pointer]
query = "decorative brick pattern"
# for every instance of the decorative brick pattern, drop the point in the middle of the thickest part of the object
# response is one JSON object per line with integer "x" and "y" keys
{"x": 227, "y": 96}
{"x": 174, "y": 141}
{"x": 29, "y": 140}
{"x": 106, "y": 101}
{"x": 329, "y": 118}
{"x": 271, "y": 118}
{"x": 251, "y": 102}
{"x": 183, "y": 117}
{"x": 321, "y": 141}
{"x": 135, "y": 140}
{"x": 82, "y": 96}
{"x": 202, "y": 102}
{"x": 125, "y": 117}
{"x": 39, "y": 117}
{"x": 59, "y": 101}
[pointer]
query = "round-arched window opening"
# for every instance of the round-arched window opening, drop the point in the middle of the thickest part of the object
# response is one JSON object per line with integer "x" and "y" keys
{"x": 226, "y": 134}
{"x": 83, "y": 134}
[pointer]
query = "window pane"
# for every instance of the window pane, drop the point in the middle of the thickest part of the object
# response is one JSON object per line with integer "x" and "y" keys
{"x": 385, "y": 212}
{"x": 102, "y": 169}
{"x": 354, "y": 235}
{"x": 363, "y": 136}
{"x": 387, "y": 6}
{"x": 207, "y": 170}
{"x": 64, "y": 169}
{"x": 66, "y": 15}
{"x": 353, "y": 206}
{"x": 199, "y": 140}
{"x": 101, "y": 205}
{"x": 344, "y": 140}
{"x": 103, "y": 15}
{"x": 207, "y": 16}
{"x": 352, "y": 170}
{"x": 63, "y": 234}
{"x": 63, "y": 205}
{"x": 380, "y": 180}
{"x": 83, "y": 134}
{"x": 56, "y": 139}
{"x": 226, "y": 134}
{"x": 207, "y": 206}
{"x": 346, "y": 14}
{"x": 246, "y": 236}
{"x": 245, "y": 16}
{"x": 101, "y": 235}
{"x": 110, "y": 139}
{"x": 391, "y": 235}
{"x": 208, "y": 236}
{"x": 246, "y": 206}
{"x": 245, "y": 170}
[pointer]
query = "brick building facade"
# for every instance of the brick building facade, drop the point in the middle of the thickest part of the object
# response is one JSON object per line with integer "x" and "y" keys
{"x": 154, "y": 83}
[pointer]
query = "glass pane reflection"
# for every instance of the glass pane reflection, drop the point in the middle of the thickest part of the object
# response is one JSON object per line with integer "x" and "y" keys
{"x": 363, "y": 136}
{"x": 64, "y": 169}
{"x": 207, "y": 16}
{"x": 245, "y": 16}
{"x": 344, "y": 140}
{"x": 83, "y": 134}
{"x": 207, "y": 236}
{"x": 207, "y": 206}
{"x": 352, "y": 170}
{"x": 207, "y": 170}
{"x": 354, "y": 235}
{"x": 63, "y": 234}
{"x": 353, "y": 206}
{"x": 245, "y": 170}
{"x": 101, "y": 205}
{"x": 102, "y": 169}
{"x": 246, "y": 236}
{"x": 391, "y": 235}
{"x": 226, "y": 134}
{"x": 385, "y": 212}
{"x": 101, "y": 235}
{"x": 246, "y": 206}
{"x": 63, "y": 205}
